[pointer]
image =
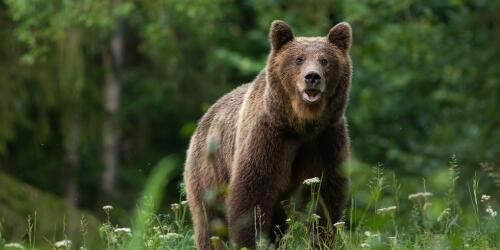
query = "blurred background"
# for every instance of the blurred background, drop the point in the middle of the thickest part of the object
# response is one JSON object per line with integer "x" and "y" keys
{"x": 93, "y": 93}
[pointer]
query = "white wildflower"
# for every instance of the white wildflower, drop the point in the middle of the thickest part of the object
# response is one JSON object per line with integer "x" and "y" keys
{"x": 14, "y": 245}
{"x": 419, "y": 195}
{"x": 444, "y": 214}
{"x": 288, "y": 220}
{"x": 311, "y": 181}
{"x": 339, "y": 225}
{"x": 175, "y": 206}
{"x": 149, "y": 244}
{"x": 369, "y": 234}
{"x": 315, "y": 216}
{"x": 184, "y": 202}
{"x": 485, "y": 198}
{"x": 173, "y": 236}
{"x": 386, "y": 210}
{"x": 123, "y": 230}
{"x": 491, "y": 212}
{"x": 63, "y": 243}
{"x": 393, "y": 241}
{"x": 365, "y": 245}
{"x": 107, "y": 208}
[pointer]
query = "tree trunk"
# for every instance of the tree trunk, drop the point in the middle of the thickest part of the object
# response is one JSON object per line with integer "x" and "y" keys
{"x": 72, "y": 145}
{"x": 113, "y": 60}
{"x": 73, "y": 161}
{"x": 71, "y": 81}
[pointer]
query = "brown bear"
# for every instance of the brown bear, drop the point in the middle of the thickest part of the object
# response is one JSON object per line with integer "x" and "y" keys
{"x": 264, "y": 138}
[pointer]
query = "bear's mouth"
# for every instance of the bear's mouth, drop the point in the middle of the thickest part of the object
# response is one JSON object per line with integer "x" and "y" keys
{"x": 311, "y": 95}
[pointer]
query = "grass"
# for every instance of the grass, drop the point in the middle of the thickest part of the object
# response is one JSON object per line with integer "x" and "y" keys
{"x": 379, "y": 216}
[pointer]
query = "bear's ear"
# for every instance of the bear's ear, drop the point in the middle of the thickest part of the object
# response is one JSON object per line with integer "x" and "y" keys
{"x": 341, "y": 35}
{"x": 279, "y": 34}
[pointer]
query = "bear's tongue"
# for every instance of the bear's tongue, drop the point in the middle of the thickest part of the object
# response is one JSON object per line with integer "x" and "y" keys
{"x": 311, "y": 96}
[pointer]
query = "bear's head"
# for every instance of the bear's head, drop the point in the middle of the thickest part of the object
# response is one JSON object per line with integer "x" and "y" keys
{"x": 314, "y": 72}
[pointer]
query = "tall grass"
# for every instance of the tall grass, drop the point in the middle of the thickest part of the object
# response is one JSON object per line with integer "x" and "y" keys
{"x": 383, "y": 216}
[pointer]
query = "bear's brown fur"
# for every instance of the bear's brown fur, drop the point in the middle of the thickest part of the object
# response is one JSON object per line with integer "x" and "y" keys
{"x": 264, "y": 138}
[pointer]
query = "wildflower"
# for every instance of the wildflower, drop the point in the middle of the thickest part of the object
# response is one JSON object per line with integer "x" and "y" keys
{"x": 485, "y": 198}
{"x": 14, "y": 245}
{"x": 491, "y": 212}
{"x": 173, "y": 236}
{"x": 369, "y": 234}
{"x": 107, "y": 208}
{"x": 311, "y": 181}
{"x": 339, "y": 225}
{"x": 63, "y": 243}
{"x": 184, "y": 202}
{"x": 386, "y": 210}
{"x": 419, "y": 195}
{"x": 444, "y": 214}
{"x": 123, "y": 230}
{"x": 288, "y": 220}
{"x": 393, "y": 240}
{"x": 174, "y": 206}
{"x": 315, "y": 216}
{"x": 149, "y": 243}
{"x": 365, "y": 245}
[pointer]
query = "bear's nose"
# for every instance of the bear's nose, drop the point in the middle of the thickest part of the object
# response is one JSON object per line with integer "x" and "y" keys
{"x": 312, "y": 79}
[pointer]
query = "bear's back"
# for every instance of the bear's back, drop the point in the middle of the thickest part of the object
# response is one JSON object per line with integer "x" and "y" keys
{"x": 213, "y": 140}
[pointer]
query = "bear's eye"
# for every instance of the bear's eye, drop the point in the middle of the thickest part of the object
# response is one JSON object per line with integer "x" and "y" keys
{"x": 323, "y": 61}
{"x": 299, "y": 60}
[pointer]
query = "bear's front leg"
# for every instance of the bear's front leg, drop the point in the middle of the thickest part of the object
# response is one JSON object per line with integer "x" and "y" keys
{"x": 330, "y": 208}
{"x": 333, "y": 193}
{"x": 261, "y": 172}
{"x": 334, "y": 186}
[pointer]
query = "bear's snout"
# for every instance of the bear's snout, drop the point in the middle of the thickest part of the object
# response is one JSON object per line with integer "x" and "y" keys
{"x": 312, "y": 91}
{"x": 312, "y": 79}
